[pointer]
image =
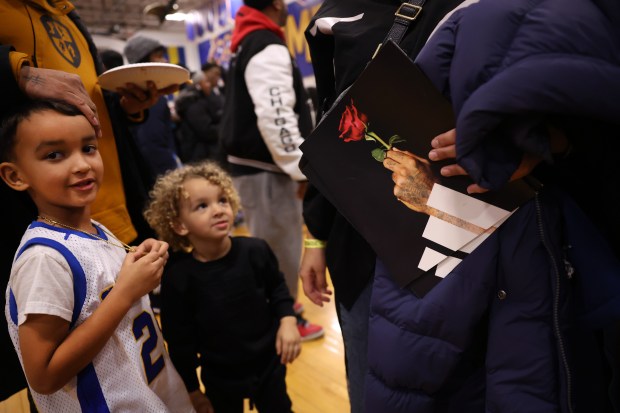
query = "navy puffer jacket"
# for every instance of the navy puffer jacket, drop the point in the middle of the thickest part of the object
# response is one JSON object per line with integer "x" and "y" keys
{"x": 502, "y": 63}
{"x": 514, "y": 327}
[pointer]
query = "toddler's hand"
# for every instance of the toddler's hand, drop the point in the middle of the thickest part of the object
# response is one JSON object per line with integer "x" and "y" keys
{"x": 288, "y": 341}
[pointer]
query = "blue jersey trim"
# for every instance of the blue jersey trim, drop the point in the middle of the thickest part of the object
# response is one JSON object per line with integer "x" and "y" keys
{"x": 79, "y": 278}
{"x": 68, "y": 231}
{"x": 12, "y": 307}
{"x": 89, "y": 392}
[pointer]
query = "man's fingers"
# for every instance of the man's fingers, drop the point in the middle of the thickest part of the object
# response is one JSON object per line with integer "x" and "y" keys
{"x": 168, "y": 90}
{"x": 453, "y": 170}
{"x": 407, "y": 159}
{"x": 438, "y": 154}
{"x": 444, "y": 146}
{"x": 89, "y": 110}
{"x": 390, "y": 164}
{"x": 476, "y": 189}
{"x": 316, "y": 298}
{"x": 444, "y": 139}
{"x": 396, "y": 156}
{"x": 132, "y": 90}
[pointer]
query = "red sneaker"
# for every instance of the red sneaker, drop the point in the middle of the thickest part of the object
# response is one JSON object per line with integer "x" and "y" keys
{"x": 308, "y": 331}
{"x": 298, "y": 308}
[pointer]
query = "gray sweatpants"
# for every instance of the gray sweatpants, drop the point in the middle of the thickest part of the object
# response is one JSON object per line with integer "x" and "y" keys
{"x": 272, "y": 212}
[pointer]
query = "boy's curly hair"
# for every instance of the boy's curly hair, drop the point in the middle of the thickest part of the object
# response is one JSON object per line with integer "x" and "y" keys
{"x": 163, "y": 207}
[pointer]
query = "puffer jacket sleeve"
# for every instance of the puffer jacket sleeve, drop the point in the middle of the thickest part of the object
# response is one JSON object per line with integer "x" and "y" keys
{"x": 508, "y": 67}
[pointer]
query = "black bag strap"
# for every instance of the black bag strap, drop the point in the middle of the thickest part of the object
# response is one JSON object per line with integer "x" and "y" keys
{"x": 405, "y": 15}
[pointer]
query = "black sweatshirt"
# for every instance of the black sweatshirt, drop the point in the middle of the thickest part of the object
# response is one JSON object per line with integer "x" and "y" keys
{"x": 223, "y": 315}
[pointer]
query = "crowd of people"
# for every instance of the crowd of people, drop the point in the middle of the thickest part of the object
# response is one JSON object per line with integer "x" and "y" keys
{"x": 120, "y": 206}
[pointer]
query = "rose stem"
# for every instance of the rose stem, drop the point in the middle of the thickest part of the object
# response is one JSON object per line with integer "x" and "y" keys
{"x": 374, "y": 135}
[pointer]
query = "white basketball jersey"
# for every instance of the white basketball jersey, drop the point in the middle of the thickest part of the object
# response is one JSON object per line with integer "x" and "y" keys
{"x": 133, "y": 372}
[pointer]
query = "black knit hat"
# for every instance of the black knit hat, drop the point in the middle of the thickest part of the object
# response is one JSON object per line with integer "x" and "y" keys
{"x": 257, "y": 4}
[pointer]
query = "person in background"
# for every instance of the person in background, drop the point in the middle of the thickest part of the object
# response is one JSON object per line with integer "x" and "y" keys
{"x": 33, "y": 66}
{"x": 266, "y": 115}
{"x": 214, "y": 74}
{"x": 213, "y": 71}
{"x": 342, "y": 38}
{"x": 225, "y": 305}
{"x": 111, "y": 58}
{"x": 154, "y": 137}
{"x": 198, "y": 124}
{"x": 77, "y": 305}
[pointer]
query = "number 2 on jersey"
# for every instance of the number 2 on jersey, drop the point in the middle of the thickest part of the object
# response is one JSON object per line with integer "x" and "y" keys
{"x": 151, "y": 367}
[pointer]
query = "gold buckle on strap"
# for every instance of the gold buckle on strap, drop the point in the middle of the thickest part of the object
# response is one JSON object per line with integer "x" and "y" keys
{"x": 415, "y": 11}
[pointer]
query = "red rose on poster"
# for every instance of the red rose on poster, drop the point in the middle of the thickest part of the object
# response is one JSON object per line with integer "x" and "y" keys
{"x": 352, "y": 124}
{"x": 354, "y": 127}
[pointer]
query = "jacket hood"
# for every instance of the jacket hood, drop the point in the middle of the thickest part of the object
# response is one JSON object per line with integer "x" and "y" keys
{"x": 249, "y": 20}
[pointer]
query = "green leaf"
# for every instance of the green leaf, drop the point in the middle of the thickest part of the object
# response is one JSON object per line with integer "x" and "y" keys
{"x": 396, "y": 139}
{"x": 378, "y": 154}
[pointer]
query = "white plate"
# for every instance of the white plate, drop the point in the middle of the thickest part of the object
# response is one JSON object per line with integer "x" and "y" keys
{"x": 163, "y": 74}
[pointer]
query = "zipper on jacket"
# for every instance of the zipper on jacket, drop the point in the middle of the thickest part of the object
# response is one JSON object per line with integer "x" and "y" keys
{"x": 556, "y": 304}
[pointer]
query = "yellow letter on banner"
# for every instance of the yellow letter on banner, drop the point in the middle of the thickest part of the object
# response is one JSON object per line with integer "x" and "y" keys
{"x": 295, "y": 32}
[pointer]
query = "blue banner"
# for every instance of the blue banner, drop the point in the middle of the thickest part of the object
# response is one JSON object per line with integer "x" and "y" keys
{"x": 218, "y": 18}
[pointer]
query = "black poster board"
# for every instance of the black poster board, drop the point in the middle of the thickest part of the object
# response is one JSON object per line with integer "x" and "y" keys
{"x": 394, "y": 97}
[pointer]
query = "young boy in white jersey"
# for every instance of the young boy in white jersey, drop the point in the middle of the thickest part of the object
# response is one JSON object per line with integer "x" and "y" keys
{"x": 77, "y": 304}
{"x": 225, "y": 304}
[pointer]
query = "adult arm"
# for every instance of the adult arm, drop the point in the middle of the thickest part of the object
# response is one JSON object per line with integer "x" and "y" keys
{"x": 21, "y": 80}
{"x": 269, "y": 79}
{"x": 318, "y": 215}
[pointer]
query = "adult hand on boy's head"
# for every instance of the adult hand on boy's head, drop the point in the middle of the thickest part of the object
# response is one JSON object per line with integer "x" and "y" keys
{"x": 38, "y": 83}
{"x": 288, "y": 340}
{"x": 135, "y": 100}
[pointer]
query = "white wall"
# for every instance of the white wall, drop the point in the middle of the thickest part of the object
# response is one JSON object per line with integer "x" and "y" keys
{"x": 167, "y": 38}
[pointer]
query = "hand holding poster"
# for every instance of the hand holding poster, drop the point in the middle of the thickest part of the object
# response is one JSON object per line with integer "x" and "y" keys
{"x": 384, "y": 124}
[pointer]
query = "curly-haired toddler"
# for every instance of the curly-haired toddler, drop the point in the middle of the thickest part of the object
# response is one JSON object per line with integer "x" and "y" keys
{"x": 225, "y": 305}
